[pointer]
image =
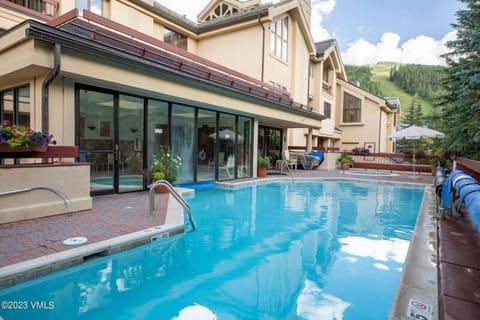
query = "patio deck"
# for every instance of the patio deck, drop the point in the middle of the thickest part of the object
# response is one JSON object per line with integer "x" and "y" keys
{"x": 26, "y": 246}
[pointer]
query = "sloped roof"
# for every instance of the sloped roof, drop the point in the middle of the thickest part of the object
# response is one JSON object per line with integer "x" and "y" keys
{"x": 323, "y": 46}
{"x": 131, "y": 47}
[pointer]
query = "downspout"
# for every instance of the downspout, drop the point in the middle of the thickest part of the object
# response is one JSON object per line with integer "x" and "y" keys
{"x": 263, "y": 48}
{"x": 379, "y": 129}
{"x": 50, "y": 77}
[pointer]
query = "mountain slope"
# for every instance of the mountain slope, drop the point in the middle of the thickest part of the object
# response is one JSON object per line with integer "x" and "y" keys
{"x": 381, "y": 75}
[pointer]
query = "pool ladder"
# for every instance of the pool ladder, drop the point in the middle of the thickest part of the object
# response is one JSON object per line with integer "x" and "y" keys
{"x": 284, "y": 164}
{"x": 177, "y": 197}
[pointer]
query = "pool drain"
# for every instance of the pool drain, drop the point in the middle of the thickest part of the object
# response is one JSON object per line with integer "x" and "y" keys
{"x": 75, "y": 241}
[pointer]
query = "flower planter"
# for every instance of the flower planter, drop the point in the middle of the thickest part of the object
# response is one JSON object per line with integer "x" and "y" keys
{"x": 261, "y": 172}
{"x": 161, "y": 189}
{"x": 5, "y": 148}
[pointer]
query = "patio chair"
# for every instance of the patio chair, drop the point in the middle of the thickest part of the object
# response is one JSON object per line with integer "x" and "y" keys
{"x": 221, "y": 160}
{"x": 229, "y": 167}
{"x": 288, "y": 161}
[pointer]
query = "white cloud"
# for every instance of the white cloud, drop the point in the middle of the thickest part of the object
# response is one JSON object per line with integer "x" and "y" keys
{"x": 320, "y": 9}
{"x": 421, "y": 50}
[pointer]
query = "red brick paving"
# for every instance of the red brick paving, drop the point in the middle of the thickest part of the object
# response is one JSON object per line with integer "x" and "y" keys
{"x": 111, "y": 216}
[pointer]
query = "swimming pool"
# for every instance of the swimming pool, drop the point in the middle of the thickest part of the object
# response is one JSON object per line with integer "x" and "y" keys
{"x": 124, "y": 180}
{"x": 321, "y": 250}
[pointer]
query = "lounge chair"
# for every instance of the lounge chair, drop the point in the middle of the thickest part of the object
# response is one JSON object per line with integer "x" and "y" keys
{"x": 310, "y": 161}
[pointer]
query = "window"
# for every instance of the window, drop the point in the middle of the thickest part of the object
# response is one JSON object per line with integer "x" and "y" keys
{"x": 279, "y": 38}
{"x": 94, "y": 6}
{"x": 174, "y": 38}
{"x": 352, "y": 108}
{"x": 327, "y": 110}
{"x": 15, "y": 106}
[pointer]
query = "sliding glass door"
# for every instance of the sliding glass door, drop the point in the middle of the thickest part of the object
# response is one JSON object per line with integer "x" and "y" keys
{"x": 128, "y": 158}
{"x": 96, "y": 137}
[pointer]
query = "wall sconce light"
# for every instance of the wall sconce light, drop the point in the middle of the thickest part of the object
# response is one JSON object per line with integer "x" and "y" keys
{"x": 133, "y": 130}
{"x": 92, "y": 127}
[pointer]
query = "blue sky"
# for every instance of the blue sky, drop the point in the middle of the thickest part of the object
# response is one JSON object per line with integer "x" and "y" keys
{"x": 368, "y": 31}
{"x": 370, "y": 19}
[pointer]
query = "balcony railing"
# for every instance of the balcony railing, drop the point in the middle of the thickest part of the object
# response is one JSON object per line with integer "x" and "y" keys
{"x": 39, "y": 8}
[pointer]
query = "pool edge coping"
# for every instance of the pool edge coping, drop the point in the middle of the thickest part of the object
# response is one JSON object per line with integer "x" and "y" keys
{"x": 419, "y": 277}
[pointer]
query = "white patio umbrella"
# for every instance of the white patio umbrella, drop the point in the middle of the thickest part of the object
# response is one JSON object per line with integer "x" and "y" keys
{"x": 415, "y": 133}
{"x": 226, "y": 134}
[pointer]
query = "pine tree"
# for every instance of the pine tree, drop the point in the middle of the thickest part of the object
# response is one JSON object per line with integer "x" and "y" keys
{"x": 414, "y": 114}
{"x": 461, "y": 102}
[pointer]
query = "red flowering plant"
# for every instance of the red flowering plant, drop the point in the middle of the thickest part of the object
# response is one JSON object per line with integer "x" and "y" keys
{"x": 20, "y": 136}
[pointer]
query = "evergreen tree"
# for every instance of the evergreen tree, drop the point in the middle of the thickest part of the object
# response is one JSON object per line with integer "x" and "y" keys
{"x": 461, "y": 102}
{"x": 414, "y": 114}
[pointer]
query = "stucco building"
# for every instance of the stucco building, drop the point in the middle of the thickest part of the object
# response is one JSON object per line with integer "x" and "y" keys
{"x": 121, "y": 78}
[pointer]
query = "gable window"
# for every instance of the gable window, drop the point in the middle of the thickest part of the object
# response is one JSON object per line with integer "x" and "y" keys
{"x": 279, "y": 38}
{"x": 352, "y": 108}
{"x": 327, "y": 110}
{"x": 175, "y": 38}
{"x": 94, "y": 6}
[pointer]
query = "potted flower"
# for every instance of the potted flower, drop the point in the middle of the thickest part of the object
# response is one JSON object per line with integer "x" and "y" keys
{"x": 262, "y": 165}
{"x": 345, "y": 160}
{"x": 18, "y": 138}
{"x": 164, "y": 167}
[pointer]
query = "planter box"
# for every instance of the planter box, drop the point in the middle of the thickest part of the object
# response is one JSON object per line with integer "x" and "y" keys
{"x": 71, "y": 179}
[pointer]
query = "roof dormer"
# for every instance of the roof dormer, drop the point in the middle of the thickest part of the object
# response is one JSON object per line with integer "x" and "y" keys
{"x": 222, "y": 8}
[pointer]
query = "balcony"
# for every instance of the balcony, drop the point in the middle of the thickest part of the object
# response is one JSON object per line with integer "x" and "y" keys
{"x": 327, "y": 87}
{"x": 39, "y": 8}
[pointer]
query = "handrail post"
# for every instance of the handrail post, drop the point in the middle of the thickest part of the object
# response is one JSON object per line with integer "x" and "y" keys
{"x": 177, "y": 197}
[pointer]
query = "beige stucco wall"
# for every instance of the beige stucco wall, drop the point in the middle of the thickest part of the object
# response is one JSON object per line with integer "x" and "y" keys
{"x": 129, "y": 17}
{"x": 71, "y": 180}
{"x": 9, "y": 18}
{"x": 298, "y": 64}
{"x": 246, "y": 58}
{"x": 373, "y": 127}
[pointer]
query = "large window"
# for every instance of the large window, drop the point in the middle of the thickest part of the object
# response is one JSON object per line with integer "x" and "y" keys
{"x": 327, "y": 110}
{"x": 15, "y": 106}
{"x": 175, "y": 38}
{"x": 94, "y": 6}
{"x": 183, "y": 140}
{"x": 279, "y": 38}
{"x": 352, "y": 108}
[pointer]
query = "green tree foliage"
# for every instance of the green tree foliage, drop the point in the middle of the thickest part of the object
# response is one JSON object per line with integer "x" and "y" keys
{"x": 461, "y": 102}
{"x": 414, "y": 115}
{"x": 363, "y": 75}
{"x": 422, "y": 80}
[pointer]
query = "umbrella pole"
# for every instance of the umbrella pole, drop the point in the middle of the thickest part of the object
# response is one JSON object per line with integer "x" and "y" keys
{"x": 414, "y": 161}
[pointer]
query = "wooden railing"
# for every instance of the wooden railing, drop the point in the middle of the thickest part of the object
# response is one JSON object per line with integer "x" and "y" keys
{"x": 51, "y": 155}
{"x": 471, "y": 167}
{"x": 304, "y": 149}
{"x": 391, "y": 161}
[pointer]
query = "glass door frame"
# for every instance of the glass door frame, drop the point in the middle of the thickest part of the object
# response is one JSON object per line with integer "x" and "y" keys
{"x": 115, "y": 133}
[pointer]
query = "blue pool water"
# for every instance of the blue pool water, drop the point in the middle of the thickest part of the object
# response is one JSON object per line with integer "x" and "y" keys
{"x": 323, "y": 250}
{"x": 124, "y": 180}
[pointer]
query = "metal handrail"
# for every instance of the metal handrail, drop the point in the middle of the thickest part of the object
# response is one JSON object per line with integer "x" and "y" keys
{"x": 175, "y": 194}
{"x": 66, "y": 200}
{"x": 283, "y": 164}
